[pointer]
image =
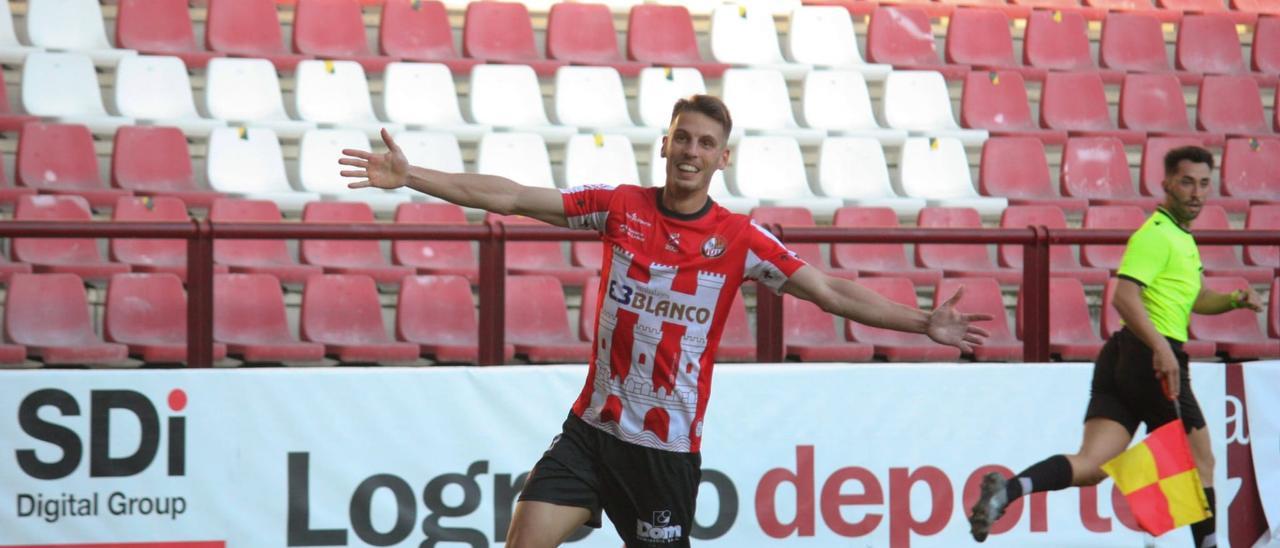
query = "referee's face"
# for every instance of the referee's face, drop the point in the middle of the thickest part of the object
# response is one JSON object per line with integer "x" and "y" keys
{"x": 1186, "y": 190}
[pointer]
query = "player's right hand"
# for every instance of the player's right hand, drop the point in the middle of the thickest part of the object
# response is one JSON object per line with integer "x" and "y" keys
{"x": 1166, "y": 368}
{"x": 388, "y": 171}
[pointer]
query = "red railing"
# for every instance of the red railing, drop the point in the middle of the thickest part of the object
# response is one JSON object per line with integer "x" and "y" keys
{"x": 492, "y": 237}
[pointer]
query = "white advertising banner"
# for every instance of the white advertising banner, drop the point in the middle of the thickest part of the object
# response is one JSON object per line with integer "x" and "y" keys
{"x": 794, "y": 455}
{"x": 1262, "y": 386}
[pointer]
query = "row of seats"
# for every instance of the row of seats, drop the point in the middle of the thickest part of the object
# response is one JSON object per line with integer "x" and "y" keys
{"x": 1242, "y": 11}
{"x": 47, "y": 318}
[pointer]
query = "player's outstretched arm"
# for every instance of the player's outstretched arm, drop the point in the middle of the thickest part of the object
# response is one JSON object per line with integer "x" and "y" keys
{"x": 847, "y": 299}
{"x": 391, "y": 170}
{"x": 1213, "y": 302}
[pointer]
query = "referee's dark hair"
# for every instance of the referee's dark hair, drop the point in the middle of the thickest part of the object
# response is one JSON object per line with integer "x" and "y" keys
{"x": 708, "y": 105}
{"x": 1193, "y": 154}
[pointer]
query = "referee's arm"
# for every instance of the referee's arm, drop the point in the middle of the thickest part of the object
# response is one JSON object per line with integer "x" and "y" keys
{"x": 1213, "y": 302}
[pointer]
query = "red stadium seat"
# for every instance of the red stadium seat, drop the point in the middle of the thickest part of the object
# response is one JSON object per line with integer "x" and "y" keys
{"x": 77, "y": 256}
{"x": 902, "y": 36}
{"x": 737, "y": 342}
{"x": 1134, "y": 42}
{"x": 420, "y": 31}
{"x": 1250, "y": 170}
{"x": 1153, "y": 103}
{"x": 876, "y": 260}
{"x": 1263, "y": 217}
{"x": 537, "y": 322}
{"x": 361, "y": 257}
{"x": 1061, "y": 261}
{"x": 60, "y": 159}
{"x": 1236, "y": 332}
{"x": 897, "y": 346}
{"x": 7, "y": 270}
{"x": 959, "y": 260}
{"x": 982, "y": 296}
{"x": 155, "y": 161}
{"x": 1220, "y": 260}
{"x": 248, "y": 28}
{"x": 256, "y": 256}
{"x": 1077, "y": 102}
{"x": 148, "y": 312}
{"x": 586, "y": 254}
{"x": 1017, "y": 168}
{"x": 1138, "y": 7}
{"x": 1273, "y": 310}
{"x": 587, "y": 311}
{"x": 663, "y": 35}
{"x": 980, "y": 37}
{"x": 249, "y": 316}
{"x": 334, "y": 29}
{"x": 539, "y": 257}
{"x": 1109, "y": 217}
{"x": 1111, "y": 322}
{"x": 343, "y": 312}
{"x": 168, "y": 256}
{"x": 160, "y": 27}
{"x": 501, "y": 32}
{"x": 1209, "y": 44}
{"x": 810, "y": 253}
{"x": 1071, "y": 333}
{"x": 10, "y": 120}
{"x": 1059, "y": 40}
{"x": 1261, "y": 7}
{"x": 1097, "y": 168}
{"x": 997, "y": 102}
{"x": 1231, "y": 105}
{"x": 437, "y": 314}
{"x": 8, "y": 193}
{"x": 1266, "y": 46}
{"x": 1152, "y": 169}
{"x": 583, "y": 34}
{"x": 810, "y": 335}
{"x": 439, "y": 257}
{"x": 49, "y": 314}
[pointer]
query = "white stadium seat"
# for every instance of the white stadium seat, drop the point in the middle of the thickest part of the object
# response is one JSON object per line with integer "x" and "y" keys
{"x": 508, "y": 96}
{"x": 65, "y": 86}
{"x": 823, "y": 36}
{"x": 248, "y": 163}
{"x": 592, "y": 98}
{"x": 719, "y": 190}
{"x": 838, "y": 101}
{"x": 772, "y": 170}
{"x": 246, "y": 91}
{"x": 600, "y": 160}
{"x": 423, "y": 96}
{"x": 336, "y": 94}
{"x": 747, "y": 36}
{"x": 72, "y": 25}
{"x": 157, "y": 90}
{"x": 917, "y": 101}
{"x": 318, "y": 170}
{"x": 11, "y": 49}
{"x": 937, "y": 169}
{"x": 854, "y": 170}
{"x": 521, "y": 157}
{"x": 658, "y": 90}
{"x": 761, "y": 105}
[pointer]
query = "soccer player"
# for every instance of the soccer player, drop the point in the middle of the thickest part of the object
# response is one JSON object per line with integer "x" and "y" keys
{"x": 1141, "y": 373}
{"x": 674, "y": 262}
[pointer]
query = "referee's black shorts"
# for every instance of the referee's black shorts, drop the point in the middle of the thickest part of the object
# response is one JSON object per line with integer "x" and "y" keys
{"x": 1125, "y": 388}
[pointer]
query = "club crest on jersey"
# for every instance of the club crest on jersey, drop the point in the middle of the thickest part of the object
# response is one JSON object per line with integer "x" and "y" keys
{"x": 673, "y": 242}
{"x": 713, "y": 247}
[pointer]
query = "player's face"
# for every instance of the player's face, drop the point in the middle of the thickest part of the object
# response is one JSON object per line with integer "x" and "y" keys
{"x": 1186, "y": 190}
{"x": 694, "y": 148}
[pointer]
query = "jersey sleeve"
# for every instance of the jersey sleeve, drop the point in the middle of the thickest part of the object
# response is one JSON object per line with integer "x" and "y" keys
{"x": 587, "y": 207}
{"x": 768, "y": 261}
{"x": 1144, "y": 257}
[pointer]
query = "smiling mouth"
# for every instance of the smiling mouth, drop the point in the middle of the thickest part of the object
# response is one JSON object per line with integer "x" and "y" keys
{"x": 686, "y": 168}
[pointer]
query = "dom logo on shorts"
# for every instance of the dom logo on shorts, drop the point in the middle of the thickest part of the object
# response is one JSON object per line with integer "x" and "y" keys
{"x": 660, "y": 530}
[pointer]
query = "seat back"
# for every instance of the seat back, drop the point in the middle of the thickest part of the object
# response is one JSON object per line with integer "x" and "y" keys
{"x": 1068, "y": 312}
{"x": 917, "y": 101}
{"x": 1074, "y": 101}
{"x": 243, "y": 27}
{"x": 246, "y": 160}
{"x": 981, "y": 296}
{"x": 1110, "y": 320}
{"x": 416, "y": 30}
{"x": 853, "y": 167}
{"x": 590, "y": 308}
{"x": 436, "y": 308}
{"x": 823, "y": 36}
{"x": 53, "y": 250}
{"x": 935, "y": 168}
{"x": 899, "y": 290}
{"x": 151, "y": 159}
{"x": 506, "y": 95}
{"x": 363, "y": 253}
{"x": 1010, "y": 255}
{"x": 600, "y": 160}
{"x": 1096, "y": 167}
{"x": 1266, "y": 45}
{"x": 759, "y": 98}
{"x": 432, "y": 150}
{"x": 520, "y": 157}
{"x": 1250, "y": 169}
{"x": 1152, "y": 178}
{"x": 1056, "y": 40}
{"x": 66, "y": 24}
{"x": 154, "y": 88}
{"x": 498, "y": 31}
{"x": 770, "y": 168}
{"x": 342, "y": 309}
{"x": 47, "y": 310}
{"x": 662, "y": 35}
{"x": 61, "y": 84}
{"x": 795, "y": 217}
{"x": 316, "y": 158}
{"x": 804, "y": 323}
{"x": 329, "y": 28}
{"x": 591, "y": 97}
{"x": 582, "y": 33}
{"x": 659, "y": 88}
{"x": 239, "y": 252}
{"x": 737, "y": 328}
{"x": 8, "y": 37}
{"x": 1230, "y": 104}
{"x": 1208, "y": 43}
{"x": 157, "y": 209}
{"x": 535, "y": 310}
{"x": 249, "y": 309}
{"x": 57, "y": 157}
{"x": 443, "y": 253}
{"x": 243, "y": 90}
{"x": 887, "y": 256}
{"x": 940, "y": 256}
{"x": 333, "y": 92}
{"x": 1263, "y": 217}
{"x": 1235, "y": 325}
{"x": 145, "y": 309}
{"x": 155, "y": 25}
{"x": 1153, "y": 102}
{"x": 744, "y": 35}
{"x": 979, "y": 36}
{"x": 420, "y": 94}
{"x": 1110, "y": 217}
{"x": 837, "y": 100}
{"x": 1014, "y": 167}
{"x": 901, "y": 35}
{"x": 1132, "y": 42}
{"x": 1213, "y": 217}
{"x": 995, "y": 100}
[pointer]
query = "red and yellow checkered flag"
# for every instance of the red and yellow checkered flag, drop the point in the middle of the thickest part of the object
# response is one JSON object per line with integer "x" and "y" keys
{"x": 1159, "y": 479}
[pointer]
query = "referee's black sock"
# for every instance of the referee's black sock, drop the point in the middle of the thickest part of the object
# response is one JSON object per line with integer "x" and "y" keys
{"x": 1050, "y": 474}
{"x": 1205, "y": 532}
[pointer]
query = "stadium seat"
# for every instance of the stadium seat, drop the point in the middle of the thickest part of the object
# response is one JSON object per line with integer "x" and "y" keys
{"x": 854, "y": 170}
{"x": 800, "y": 217}
{"x": 508, "y": 96}
{"x": 982, "y": 296}
{"x": 537, "y": 322}
{"x": 959, "y": 260}
{"x": 1127, "y": 218}
{"x": 343, "y": 312}
{"x": 336, "y": 94}
{"x": 249, "y": 317}
{"x": 539, "y": 258}
{"x": 1250, "y": 170}
{"x": 248, "y": 28}
{"x": 1077, "y": 102}
{"x": 1017, "y": 169}
{"x": 659, "y": 88}
{"x": 996, "y": 101}
{"x": 810, "y": 335}
{"x": 436, "y": 257}
{"x": 1201, "y": 6}
{"x": 664, "y": 36}
{"x": 838, "y": 102}
{"x": 583, "y": 34}
{"x": 437, "y": 313}
{"x": 592, "y": 98}
{"x": 1134, "y": 42}
{"x": 8, "y": 193}
{"x": 12, "y": 51}
{"x": 1260, "y": 7}
{"x": 1208, "y": 43}
{"x": 1231, "y": 105}
{"x": 60, "y": 159}
{"x": 256, "y": 256}
{"x": 737, "y": 342}
{"x": 902, "y": 36}
{"x": 761, "y": 104}
{"x": 420, "y": 31}
{"x": 1152, "y": 168}
{"x": 152, "y": 255}
{"x": 1059, "y": 40}
{"x": 1236, "y": 332}
{"x": 423, "y": 96}
{"x": 148, "y": 313}
{"x": 1072, "y": 337}
{"x": 1061, "y": 261}
{"x": 823, "y": 36}
{"x": 432, "y": 150}
{"x": 353, "y": 257}
{"x": 876, "y": 260}
{"x": 772, "y": 170}
{"x": 1153, "y": 103}
{"x": 898, "y": 346}
{"x": 79, "y": 256}
{"x": 246, "y": 91}
{"x": 334, "y": 29}
{"x": 1266, "y": 46}
{"x": 1110, "y": 322}
{"x": 8, "y": 269}
{"x": 587, "y": 311}
{"x": 600, "y": 160}
{"x": 1220, "y": 260}
{"x": 1097, "y": 169}
{"x": 248, "y": 162}
{"x": 1139, "y": 7}
{"x": 64, "y": 86}
{"x": 49, "y": 314}
{"x": 521, "y": 157}
{"x": 317, "y": 154}
{"x": 157, "y": 90}
{"x": 501, "y": 32}
{"x": 918, "y": 102}
{"x": 9, "y": 119}
{"x": 1263, "y": 217}
{"x": 1273, "y": 310}
{"x": 719, "y": 190}
{"x": 937, "y": 169}
{"x": 72, "y": 25}
{"x": 160, "y": 27}
{"x": 980, "y": 37}
{"x": 747, "y": 36}
{"x": 155, "y": 161}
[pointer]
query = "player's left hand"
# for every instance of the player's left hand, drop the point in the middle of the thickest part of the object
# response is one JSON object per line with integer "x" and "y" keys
{"x": 951, "y": 327}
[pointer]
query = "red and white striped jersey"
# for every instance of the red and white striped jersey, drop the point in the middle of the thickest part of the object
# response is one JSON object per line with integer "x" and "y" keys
{"x": 666, "y": 286}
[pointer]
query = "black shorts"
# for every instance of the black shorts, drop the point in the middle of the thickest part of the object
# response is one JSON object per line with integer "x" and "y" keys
{"x": 649, "y": 494}
{"x": 1125, "y": 388}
